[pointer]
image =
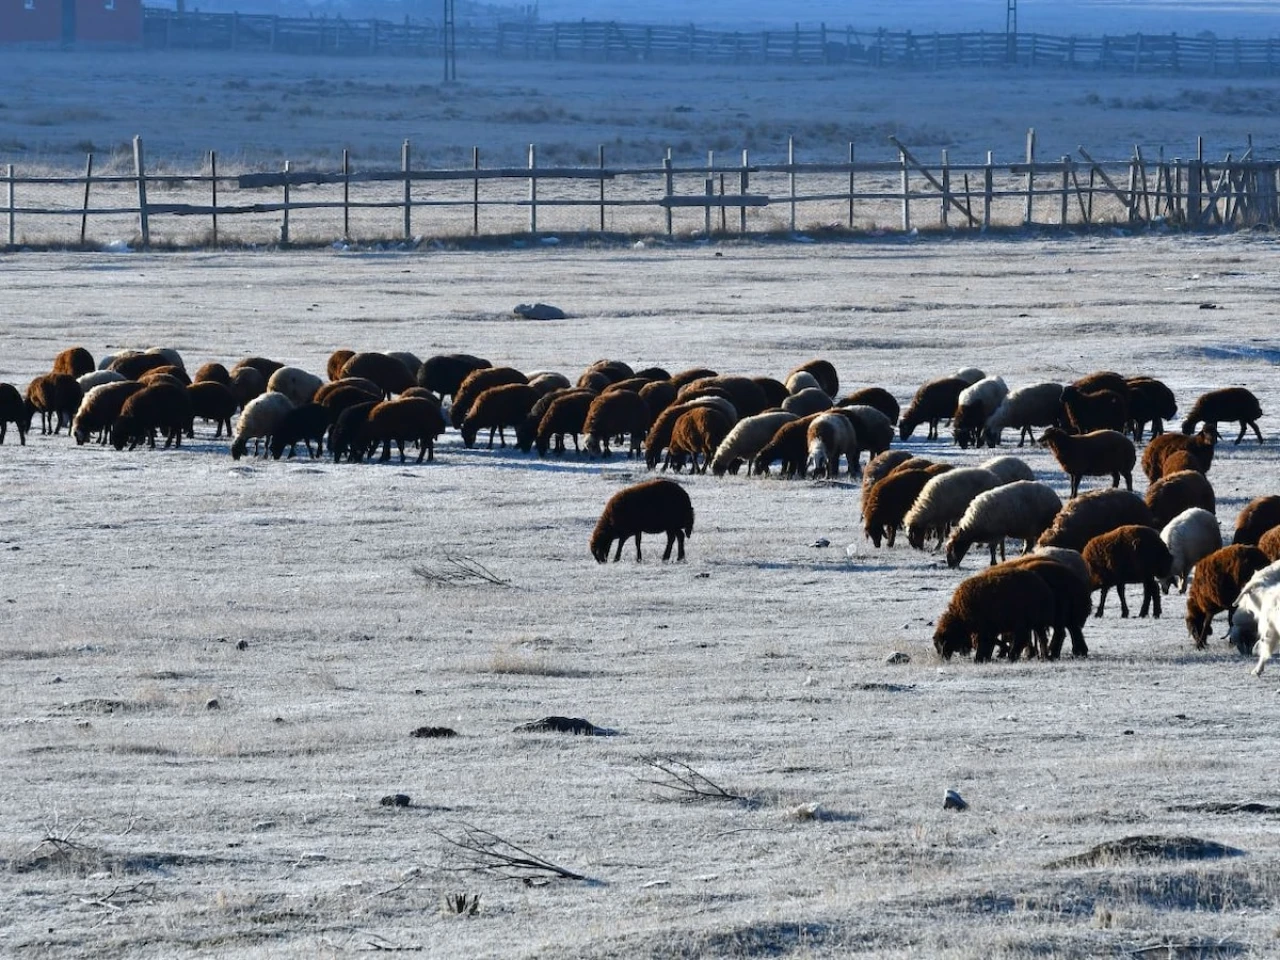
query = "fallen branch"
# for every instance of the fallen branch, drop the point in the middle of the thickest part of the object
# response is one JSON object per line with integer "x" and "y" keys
{"x": 685, "y": 782}
{"x": 483, "y": 851}
{"x": 455, "y": 570}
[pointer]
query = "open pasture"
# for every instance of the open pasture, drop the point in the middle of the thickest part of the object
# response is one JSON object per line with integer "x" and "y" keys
{"x": 169, "y": 791}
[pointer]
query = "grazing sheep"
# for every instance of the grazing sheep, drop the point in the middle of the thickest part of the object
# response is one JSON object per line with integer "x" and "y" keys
{"x": 444, "y": 374}
{"x": 808, "y": 401}
{"x": 775, "y": 391}
{"x": 943, "y": 501}
{"x": 295, "y": 383}
{"x": 211, "y": 400}
{"x": 877, "y": 397}
{"x": 880, "y": 466}
{"x": 1009, "y": 469}
{"x": 13, "y": 410}
{"x": 658, "y": 394}
{"x": 1069, "y": 582}
{"x": 247, "y": 384}
{"x": 653, "y": 374}
{"x": 593, "y": 380}
{"x": 1218, "y": 581}
{"x": 653, "y": 506}
{"x": 1097, "y": 454}
{"x": 1085, "y": 412}
{"x": 96, "y": 378}
{"x": 975, "y": 404}
{"x": 745, "y": 394}
{"x": 548, "y": 381}
{"x": 1149, "y": 400}
{"x": 56, "y": 397}
{"x": 131, "y": 366}
{"x": 301, "y": 425}
{"x": 259, "y": 420}
{"x": 476, "y": 383}
{"x": 698, "y": 431}
{"x": 678, "y": 380}
{"x": 1176, "y": 492}
{"x": 659, "y": 433}
{"x": 615, "y": 415}
{"x": 874, "y": 431}
{"x": 969, "y": 375}
{"x": 566, "y": 415}
{"x": 212, "y": 372}
{"x": 74, "y": 361}
{"x": 347, "y": 436}
{"x": 161, "y": 406}
{"x": 1130, "y": 554}
{"x": 338, "y": 401}
{"x": 801, "y": 380}
{"x": 829, "y": 437}
{"x": 368, "y": 387}
{"x": 614, "y": 370}
{"x": 745, "y": 441}
{"x": 934, "y": 401}
{"x": 1023, "y": 509}
{"x": 386, "y": 371}
{"x": 887, "y": 502}
{"x": 1071, "y": 559}
{"x": 1258, "y": 516}
{"x": 996, "y": 602}
{"x": 527, "y": 429}
{"x": 175, "y": 375}
{"x": 1190, "y": 536}
{"x": 410, "y": 361}
{"x": 790, "y": 446}
{"x": 1268, "y": 543}
{"x": 171, "y": 356}
{"x": 395, "y": 421}
{"x": 1251, "y": 620}
{"x": 1101, "y": 380}
{"x": 1093, "y": 513}
{"x": 824, "y": 372}
{"x": 1190, "y": 453}
{"x": 1231, "y": 404}
{"x": 1037, "y": 405}
{"x": 1268, "y": 630}
{"x": 498, "y": 408}
{"x": 99, "y": 409}
{"x": 106, "y": 361}
{"x": 337, "y": 360}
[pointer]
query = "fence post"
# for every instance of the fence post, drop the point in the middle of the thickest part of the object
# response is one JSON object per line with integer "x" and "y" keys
{"x": 791, "y": 178}
{"x": 988, "y": 183}
{"x": 346, "y": 194}
{"x": 946, "y": 186}
{"x": 1066, "y": 186}
{"x": 533, "y": 190}
{"x": 850, "y": 184}
{"x": 1031, "y": 176}
{"x": 284, "y": 213}
{"x": 1195, "y": 179}
{"x": 213, "y": 186}
{"x": 9, "y": 177}
{"x": 139, "y": 170}
{"x": 744, "y": 183}
{"x": 84, "y": 211}
{"x": 600, "y": 152}
{"x": 670, "y": 186}
{"x": 475, "y": 192}
{"x": 906, "y": 191}
{"x": 408, "y": 197}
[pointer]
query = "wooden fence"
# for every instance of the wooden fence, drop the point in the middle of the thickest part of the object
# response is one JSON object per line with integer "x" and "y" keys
{"x": 611, "y": 41}
{"x": 213, "y": 207}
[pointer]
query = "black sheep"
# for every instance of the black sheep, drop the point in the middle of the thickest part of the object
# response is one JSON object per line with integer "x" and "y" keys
{"x": 302, "y": 424}
{"x": 1230, "y": 403}
{"x": 653, "y": 506}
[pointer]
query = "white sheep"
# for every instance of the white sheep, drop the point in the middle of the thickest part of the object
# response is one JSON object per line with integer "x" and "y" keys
{"x": 807, "y": 401}
{"x": 295, "y": 383}
{"x": 802, "y": 380}
{"x": 1008, "y": 469}
{"x": 1071, "y": 559}
{"x": 1190, "y": 536}
{"x": 1248, "y": 613}
{"x": 830, "y": 436}
{"x": 258, "y": 421}
{"x": 747, "y": 438}
{"x": 975, "y": 405}
{"x": 943, "y": 502}
{"x": 97, "y": 378}
{"x": 1038, "y": 405}
{"x": 970, "y": 375}
{"x": 1269, "y": 630}
{"x": 1023, "y": 509}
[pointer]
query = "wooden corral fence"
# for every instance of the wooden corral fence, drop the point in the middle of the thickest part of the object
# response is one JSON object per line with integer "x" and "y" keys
{"x": 718, "y": 197}
{"x": 612, "y": 41}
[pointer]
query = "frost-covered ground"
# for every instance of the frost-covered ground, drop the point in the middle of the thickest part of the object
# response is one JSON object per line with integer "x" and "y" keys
{"x": 140, "y": 822}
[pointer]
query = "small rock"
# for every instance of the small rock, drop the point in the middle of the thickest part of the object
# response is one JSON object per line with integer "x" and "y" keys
{"x": 702, "y": 576}
{"x": 807, "y": 811}
{"x": 1208, "y": 306}
{"x": 57, "y": 680}
{"x": 821, "y": 542}
{"x": 898, "y": 657}
{"x": 395, "y": 800}
{"x": 953, "y": 801}
{"x": 539, "y": 311}
{"x": 434, "y": 733}
{"x": 212, "y": 704}
{"x": 242, "y": 644}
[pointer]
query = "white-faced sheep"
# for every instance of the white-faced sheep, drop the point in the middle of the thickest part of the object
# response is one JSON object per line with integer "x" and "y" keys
{"x": 443, "y": 374}
{"x": 824, "y": 372}
{"x": 1190, "y": 536}
{"x": 697, "y": 433}
{"x": 211, "y": 400}
{"x": 13, "y": 410}
{"x": 56, "y": 397}
{"x": 829, "y": 437}
{"x": 1175, "y": 451}
{"x": 1218, "y": 581}
{"x": 1176, "y": 492}
{"x": 653, "y": 506}
{"x": 99, "y": 409}
{"x": 1023, "y": 510}
{"x": 395, "y": 421}
{"x": 302, "y": 424}
{"x": 943, "y": 501}
{"x": 974, "y": 406}
{"x": 934, "y": 401}
{"x": 1093, "y": 513}
{"x": 887, "y": 503}
{"x": 1258, "y": 516}
{"x": 807, "y": 401}
{"x": 614, "y": 415}
{"x": 564, "y": 416}
{"x": 1037, "y": 405}
{"x": 259, "y": 421}
{"x": 476, "y": 383}
{"x": 295, "y": 383}
{"x": 74, "y": 361}
{"x": 97, "y": 378}
{"x": 161, "y": 406}
{"x": 877, "y": 397}
{"x": 386, "y": 371}
{"x": 1087, "y": 411}
{"x": 745, "y": 441}
{"x": 1069, "y": 582}
{"x": 999, "y": 601}
{"x": 1098, "y": 454}
{"x": 1150, "y": 400}
{"x": 1130, "y": 554}
{"x": 1228, "y": 404}
{"x": 496, "y": 409}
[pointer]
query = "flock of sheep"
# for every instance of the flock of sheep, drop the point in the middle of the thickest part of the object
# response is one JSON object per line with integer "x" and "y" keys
{"x": 706, "y": 421}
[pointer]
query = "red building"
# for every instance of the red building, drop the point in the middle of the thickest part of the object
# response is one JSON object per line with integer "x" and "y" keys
{"x": 71, "y": 22}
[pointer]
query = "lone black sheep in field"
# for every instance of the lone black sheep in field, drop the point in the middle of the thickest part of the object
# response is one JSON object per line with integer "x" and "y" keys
{"x": 653, "y": 506}
{"x": 13, "y": 410}
{"x": 1230, "y": 403}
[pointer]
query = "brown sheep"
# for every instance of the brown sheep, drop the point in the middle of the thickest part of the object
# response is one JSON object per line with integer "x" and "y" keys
{"x": 1130, "y": 554}
{"x": 359, "y": 383}
{"x": 247, "y": 384}
{"x": 1258, "y": 516}
{"x": 395, "y": 421}
{"x": 1101, "y": 380}
{"x": 775, "y": 391}
{"x": 615, "y": 415}
{"x": 1073, "y": 601}
{"x": 653, "y": 374}
{"x": 653, "y": 506}
{"x": 212, "y": 372}
{"x": 443, "y": 374}
{"x": 99, "y": 409}
{"x": 567, "y": 414}
{"x": 634, "y": 384}
{"x": 1096, "y": 454}
{"x": 824, "y": 372}
{"x": 934, "y": 401}
{"x": 263, "y": 365}
{"x": 476, "y": 383}
{"x": 1149, "y": 400}
{"x": 161, "y": 406}
{"x": 790, "y": 446}
{"x": 877, "y": 397}
{"x": 698, "y": 432}
{"x": 1218, "y": 581}
{"x": 131, "y": 366}
{"x": 593, "y": 380}
{"x": 1168, "y": 446}
{"x": 678, "y": 380}
{"x": 211, "y": 401}
{"x": 386, "y": 371}
{"x": 74, "y": 361}
{"x": 613, "y": 370}
{"x": 659, "y": 434}
{"x": 745, "y": 394}
{"x": 498, "y": 408}
{"x": 658, "y": 394}
{"x": 1175, "y": 492}
{"x": 337, "y": 360}
{"x": 56, "y": 397}
{"x": 889, "y": 500}
{"x": 175, "y": 373}
{"x": 1096, "y": 409}
{"x": 880, "y": 466}
{"x": 998, "y": 601}
{"x": 1094, "y": 513}
{"x": 1229, "y": 403}
{"x": 13, "y": 410}
{"x": 1268, "y": 543}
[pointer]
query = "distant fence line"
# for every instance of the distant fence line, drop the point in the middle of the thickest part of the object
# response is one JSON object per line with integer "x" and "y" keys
{"x": 739, "y": 197}
{"x": 612, "y": 41}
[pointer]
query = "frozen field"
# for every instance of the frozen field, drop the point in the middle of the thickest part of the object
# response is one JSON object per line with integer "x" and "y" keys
{"x": 140, "y": 822}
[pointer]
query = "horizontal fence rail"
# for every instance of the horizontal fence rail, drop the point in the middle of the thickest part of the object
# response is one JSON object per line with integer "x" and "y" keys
{"x": 615, "y": 42}
{"x": 719, "y": 197}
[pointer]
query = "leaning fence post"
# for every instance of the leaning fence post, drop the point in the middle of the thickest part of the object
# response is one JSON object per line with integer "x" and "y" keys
{"x": 743, "y": 188}
{"x": 791, "y": 178}
{"x": 213, "y": 189}
{"x": 1066, "y": 187}
{"x": 284, "y": 213}
{"x": 408, "y": 193}
{"x": 1031, "y": 177}
{"x": 600, "y": 153}
{"x": 533, "y": 190}
{"x": 988, "y": 184}
{"x": 850, "y": 184}
{"x": 9, "y": 179}
{"x": 84, "y": 211}
{"x": 346, "y": 193}
{"x": 670, "y": 186}
{"x": 139, "y": 170}
{"x": 906, "y": 191}
{"x": 946, "y": 186}
{"x": 475, "y": 192}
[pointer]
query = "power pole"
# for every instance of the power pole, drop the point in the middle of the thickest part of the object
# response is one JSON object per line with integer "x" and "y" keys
{"x": 1011, "y": 31}
{"x": 451, "y": 43}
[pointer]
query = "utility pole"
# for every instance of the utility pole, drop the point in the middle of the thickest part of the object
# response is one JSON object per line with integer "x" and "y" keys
{"x": 450, "y": 38}
{"x": 1011, "y": 31}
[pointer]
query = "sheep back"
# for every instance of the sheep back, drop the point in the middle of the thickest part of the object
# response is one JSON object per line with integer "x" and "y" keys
{"x": 1258, "y": 516}
{"x": 1090, "y": 514}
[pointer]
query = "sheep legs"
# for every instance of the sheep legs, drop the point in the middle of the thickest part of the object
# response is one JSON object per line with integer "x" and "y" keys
{"x": 673, "y": 537}
{"x": 1244, "y": 426}
{"x": 1150, "y": 598}
{"x": 1102, "y": 600}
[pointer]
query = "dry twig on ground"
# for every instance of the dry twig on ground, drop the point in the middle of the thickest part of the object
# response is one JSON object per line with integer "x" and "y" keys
{"x": 458, "y": 570}
{"x": 483, "y": 851}
{"x": 685, "y": 782}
